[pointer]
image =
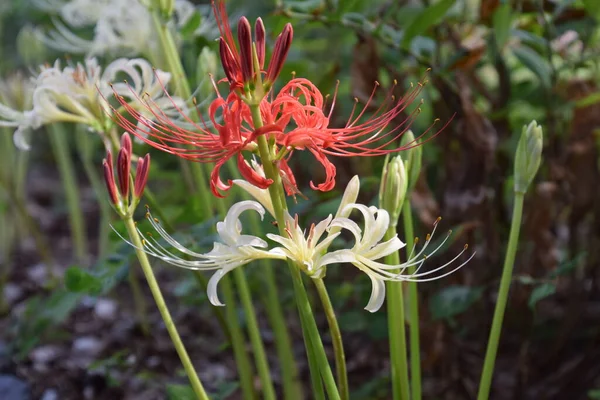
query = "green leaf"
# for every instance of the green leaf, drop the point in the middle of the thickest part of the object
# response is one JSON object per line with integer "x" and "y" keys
{"x": 534, "y": 62}
{"x": 502, "y": 21}
{"x": 594, "y": 394}
{"x": 180, "y": 392}
{"x": 427, "y": 18}
{"x": 453, "y": 300}
{"x": 80, "y": 281}
{"x": 592, "y": 7}
{"x": 541, "y": 292}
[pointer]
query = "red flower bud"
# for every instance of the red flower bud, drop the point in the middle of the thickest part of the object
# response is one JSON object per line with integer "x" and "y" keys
{"x": 282, "y": 47}
{"x": 109, "y": 179}
{"x": 230, "y": 65}
{"x": 123, "y": 168}
{"x": 245, "y": 41}
{"x": 141, "y": 176}
{"x": 259, "y": 40}
{"x": 126, "y": 144}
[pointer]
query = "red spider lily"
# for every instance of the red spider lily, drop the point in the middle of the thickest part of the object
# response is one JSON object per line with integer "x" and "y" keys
{"x": 299, "y": 120}
{"x": 206, "y": 142}
{"x": 239, "y": 65}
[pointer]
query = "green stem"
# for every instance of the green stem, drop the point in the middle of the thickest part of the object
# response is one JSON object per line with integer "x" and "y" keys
{"x": 242, "y": 359}
{"x": 413, "y": 308}
{"x": 397, "y": 329}
{"x": 60, "y": 146}
{"x": 86, "y": 151}
{"x": 292, "y": 388}
{"x": 313, "y": 367}
{"x": 509, "y": 261}
{"x": 164, "y": 311}
{"x": 139, "y": 302}
{"x": 310, "y": 330}
{"x": 262, "y": 365}
{"x": 336, "y": 338}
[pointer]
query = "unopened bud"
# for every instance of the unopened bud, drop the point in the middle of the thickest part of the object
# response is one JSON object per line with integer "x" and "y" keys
{"x": 230, "y": 65}
{"x": 123, "y": 168}
{"x": 245, "y": 41}
{"x": 282, "y": 47}
{"x": 109, "y": 179}
{"x": 394, "y": 184}
{"x": 141, "y": 176}
{"x": 126, "y": 144}
{"x": 259, "y": 40}
{"x": 528, "y": 156}
{"x": 413, "y": 157}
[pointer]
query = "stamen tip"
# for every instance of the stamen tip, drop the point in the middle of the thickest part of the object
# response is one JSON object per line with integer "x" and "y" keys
{"x": 466, "y": 246}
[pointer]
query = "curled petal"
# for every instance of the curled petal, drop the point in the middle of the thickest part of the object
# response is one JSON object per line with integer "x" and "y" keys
{"x": 211, "y": 289}
{"x": 377, "y": 294}
{"x": 330, "y": 172}
{"x": 251, "y": 175}
{"x": 216, "y": 184}
{"x": 288, "y": 178}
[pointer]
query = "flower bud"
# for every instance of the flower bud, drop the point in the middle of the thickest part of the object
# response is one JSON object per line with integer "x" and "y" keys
{"x": 109, "y": 179}
{"x": 394, "y": 184}
{"x": 259, "y": 39}
{"x": 282, "y": 47}
{"x": 123, "y": 168}
{"x": 230, "y": 65}
{"x": 528, "y": 156}
{"x": 413, "y": 156}
{"x": 141, "y": 176}
{"x": 245, "y": 41}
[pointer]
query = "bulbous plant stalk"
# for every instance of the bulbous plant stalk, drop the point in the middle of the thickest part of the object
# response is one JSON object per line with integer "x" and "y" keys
{"x": 312, "y": 338}
{"x": 412, "y": 164}
{"x": 527, "y": 161}
{"x": 394, "y": 184}
{"x": 124, "y": 201}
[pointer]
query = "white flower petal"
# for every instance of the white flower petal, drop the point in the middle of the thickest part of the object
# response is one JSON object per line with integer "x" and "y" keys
{"x": 377, "y": 294}
{"x": 260, "y": 195}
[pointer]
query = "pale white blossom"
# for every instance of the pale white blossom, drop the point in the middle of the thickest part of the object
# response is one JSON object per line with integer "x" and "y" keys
{"x": 81, "y": 93}
{"x": 122, "y": 27}
{"x": 232, "y": 251}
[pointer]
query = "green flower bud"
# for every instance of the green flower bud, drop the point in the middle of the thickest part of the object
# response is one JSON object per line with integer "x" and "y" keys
{"x": 394, "y": 184}
{"x": 30, "y": 47}
{"x": 528, "y": 156}
{"x": 413, "y": 158}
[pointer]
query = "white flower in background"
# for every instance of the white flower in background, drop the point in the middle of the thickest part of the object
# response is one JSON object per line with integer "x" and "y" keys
{"x": 79, "y": 94}
{"x": 120, "y": 26}
{"x": 233, "y": 250}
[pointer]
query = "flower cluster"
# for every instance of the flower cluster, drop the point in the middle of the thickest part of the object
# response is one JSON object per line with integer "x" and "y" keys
{"x": 79, "y": 94}
{"x": 308, "y": 250}
{"x": 298, "y": 117}
{"x": 120, "y": 26}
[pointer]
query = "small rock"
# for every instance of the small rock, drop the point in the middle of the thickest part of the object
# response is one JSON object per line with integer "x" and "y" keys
{"x": 106, "y": 309}
{"x": 49, "y": 394}
{"x": 44, "y": 355}
{"x": 12, "y": 293}
{"x": 89, "y": 346}
{"x": 13, "y": 388}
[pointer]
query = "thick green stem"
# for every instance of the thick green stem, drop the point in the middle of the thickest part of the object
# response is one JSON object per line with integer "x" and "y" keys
{"x": 413, "y": 308}
{"x": 509, "y": 262}
{"x": 262, "y": 364}
{"x": 164, "y": 311}
{"x": 60, "y": 146}
{"x": 397, "y": 329}
{"x": 292, "y": 387}
{"x": 310, "y": 330}
{"x": 336, "y": 338}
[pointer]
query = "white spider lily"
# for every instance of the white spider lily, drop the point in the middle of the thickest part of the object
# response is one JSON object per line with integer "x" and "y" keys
{"x": 120, "y": 26}
{"x": 311, "y": 255}
{"x": 234, "y": 249}
{"x": 79, "y": 93}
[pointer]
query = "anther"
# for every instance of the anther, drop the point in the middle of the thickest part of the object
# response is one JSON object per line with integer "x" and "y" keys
{"x": 156, "y": 220}
{"x": 466, "y": 246}
{"x": 428, "y": 237}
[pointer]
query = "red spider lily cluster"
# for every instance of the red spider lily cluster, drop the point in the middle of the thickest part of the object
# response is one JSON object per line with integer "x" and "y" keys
{"x": 298, "y": 117}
